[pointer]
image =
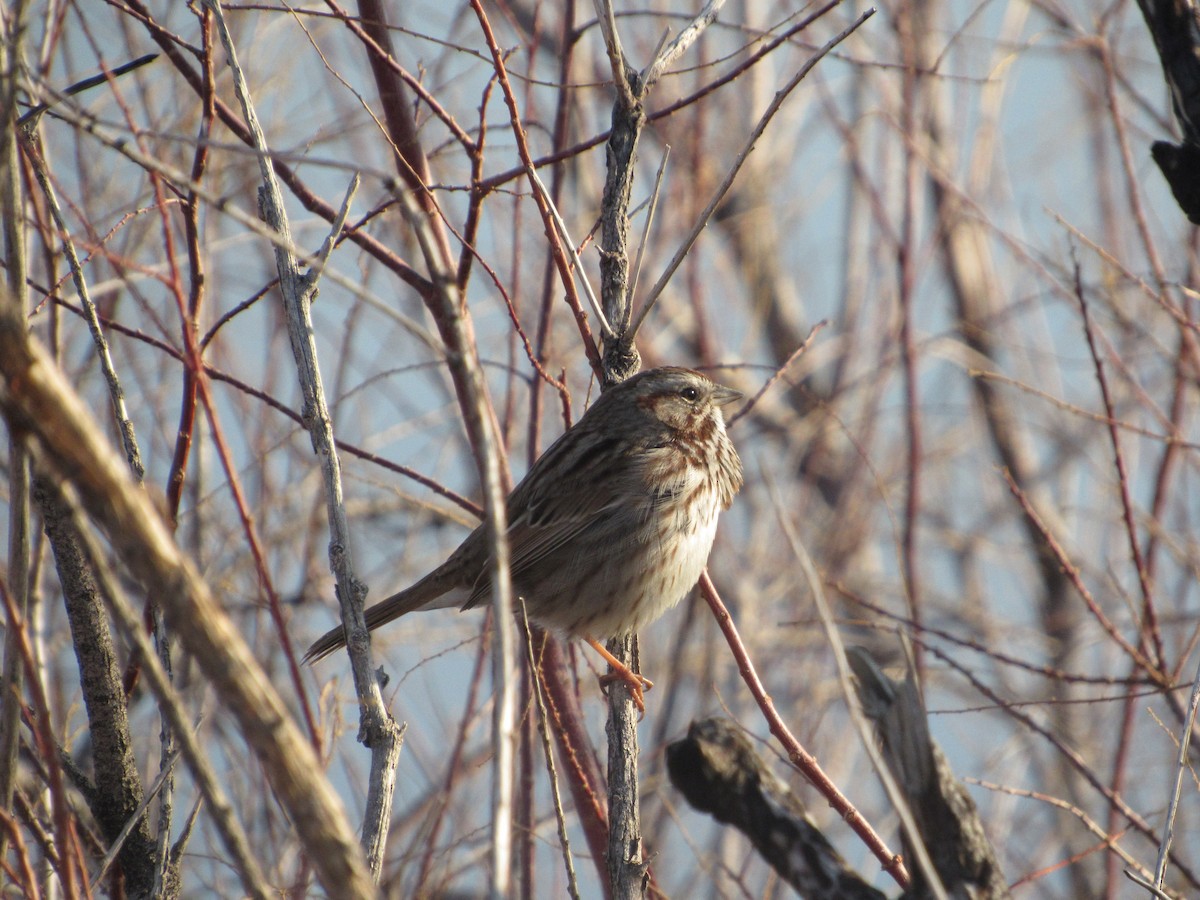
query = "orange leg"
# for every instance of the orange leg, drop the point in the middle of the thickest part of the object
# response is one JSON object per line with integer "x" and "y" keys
{"x": 635, "y": 682}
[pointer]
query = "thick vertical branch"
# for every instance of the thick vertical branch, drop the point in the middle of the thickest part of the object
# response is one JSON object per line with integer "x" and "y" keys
{"x": 118, "y": 787}
{"x": 621, "y": 358}
{"x": 626, "y": 865}
{"x": 127, "y": 619}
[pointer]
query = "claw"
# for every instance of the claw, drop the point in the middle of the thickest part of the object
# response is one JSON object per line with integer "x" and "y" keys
{"x": 636, "y": 684}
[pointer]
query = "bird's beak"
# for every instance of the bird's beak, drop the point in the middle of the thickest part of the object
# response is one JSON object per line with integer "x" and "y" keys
{"x": 722, "y": 396}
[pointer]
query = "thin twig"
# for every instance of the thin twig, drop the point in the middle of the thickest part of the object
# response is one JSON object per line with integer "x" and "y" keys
{"x": 637, "y": 263}
{"x": 16, "y": 272}
{"x": 1073, "y": 575}
{"x": 899, "y": 802}
{"x": 378, "y": 730}
{"x": 110, "y": 857}
{"x": 115, "y": 392}
{"x": 727, "y": 183}
{"x": 321, "y": 257}
{"x": 1073, "y": 757}
{"x": 502, "y": 178}
{"x": 70, "y": 853}
{"x": 1181, "y": 766}
{"x": 557, "y": 252}
{"x": 779, "y": 372}
{"x": 1154, "y": 891}
{"x": 1149, "y": 614}
{"x": 493, "y": 474}
{"x": 616, "y": 55}
{"x": 26, "y": 121}
{"x": 224, "y": 204}
{"x": 539, "y": 186}
{"x": 664, "y": 56}
{"x": 551, "y": 770}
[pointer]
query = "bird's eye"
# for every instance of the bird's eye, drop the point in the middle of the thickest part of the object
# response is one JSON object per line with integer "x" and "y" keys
{"x": 690, "y": 394}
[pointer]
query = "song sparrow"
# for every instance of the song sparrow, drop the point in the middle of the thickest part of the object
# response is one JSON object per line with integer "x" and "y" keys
{"x": 612, "y": 525}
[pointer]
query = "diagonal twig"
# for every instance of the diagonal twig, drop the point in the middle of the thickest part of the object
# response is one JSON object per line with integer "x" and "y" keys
{"x": 731, "y": 175}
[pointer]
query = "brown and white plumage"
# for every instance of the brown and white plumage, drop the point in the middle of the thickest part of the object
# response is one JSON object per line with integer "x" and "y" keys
{"x": 612, "y": 525}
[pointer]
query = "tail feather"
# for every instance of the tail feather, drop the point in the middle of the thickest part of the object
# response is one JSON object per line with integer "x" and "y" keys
{"x": 428, "y": 593}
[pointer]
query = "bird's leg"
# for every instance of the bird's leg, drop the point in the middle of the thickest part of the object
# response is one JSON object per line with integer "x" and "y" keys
{"x": 635, "y": 682}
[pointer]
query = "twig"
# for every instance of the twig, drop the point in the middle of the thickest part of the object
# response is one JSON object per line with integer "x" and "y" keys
{"x": 1149, "y": 615}
{"x": 551, "y": 771}
{"x": 224, "y": 204}
{"x": 1072, "y": 756}
{"x": 616, "y": 55}
{"x": 539, "y": 186}
{"x": 557, "y": 252}
{"x": 1109, "y": 838}
{"x": 1154, "y": 891}
{"x": 804, "y": 761}
{"x": 115, "y": 392}
{"x": 899, "y": 801}
{"x": 26, "y": 121}
{"x": 445, "y": 304}
{"x": 637, "y": 263}
{"x": 317, "y": 265}
{"x": 378, "y": 731}
{"x": 111, "y": 856}
{"x": 502, "y": 178}
{"x": 292, "y": 286}
{"x": 1181, "y": 766}
{"x": 727, "y": 183}
{"x": 16, "y": 273}
{"x": 778, "y": 373}
{"x": 664, "y": 56}
{"x": 70, "y": 853}
{"x": 1072, "y": 573}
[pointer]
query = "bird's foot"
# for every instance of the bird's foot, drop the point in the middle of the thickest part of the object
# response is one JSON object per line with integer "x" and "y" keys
{"x": 636, "y": 684}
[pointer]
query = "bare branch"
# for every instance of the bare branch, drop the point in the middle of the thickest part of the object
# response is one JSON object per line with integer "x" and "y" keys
{"x": 727, "y": 182}
{"x": 34, "y": 396}
{"x": 666, "y": 55}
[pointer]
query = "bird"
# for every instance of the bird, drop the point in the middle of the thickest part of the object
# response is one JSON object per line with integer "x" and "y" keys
{"x": 612, "y": 525}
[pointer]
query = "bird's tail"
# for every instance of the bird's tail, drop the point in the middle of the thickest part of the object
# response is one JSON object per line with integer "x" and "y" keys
{"x": 434, "y": 591}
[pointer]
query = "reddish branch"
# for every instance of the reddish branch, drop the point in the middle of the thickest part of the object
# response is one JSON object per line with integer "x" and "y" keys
{"x": 1149, "y": 616}
{"x": 801, "y": 758}
{"x": 171, "y": 45}
{"x": 1072, "y": 573}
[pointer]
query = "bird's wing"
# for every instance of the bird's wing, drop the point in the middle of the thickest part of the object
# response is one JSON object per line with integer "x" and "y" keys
{"x": 598, "y": 487}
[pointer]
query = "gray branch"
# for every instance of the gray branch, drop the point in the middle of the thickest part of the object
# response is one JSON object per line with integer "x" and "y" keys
{"x": 377, "y": 729}
{"x": 118, "y": 787}
{"x": 946, "y": 816}
{"x": 717, "y": 770}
